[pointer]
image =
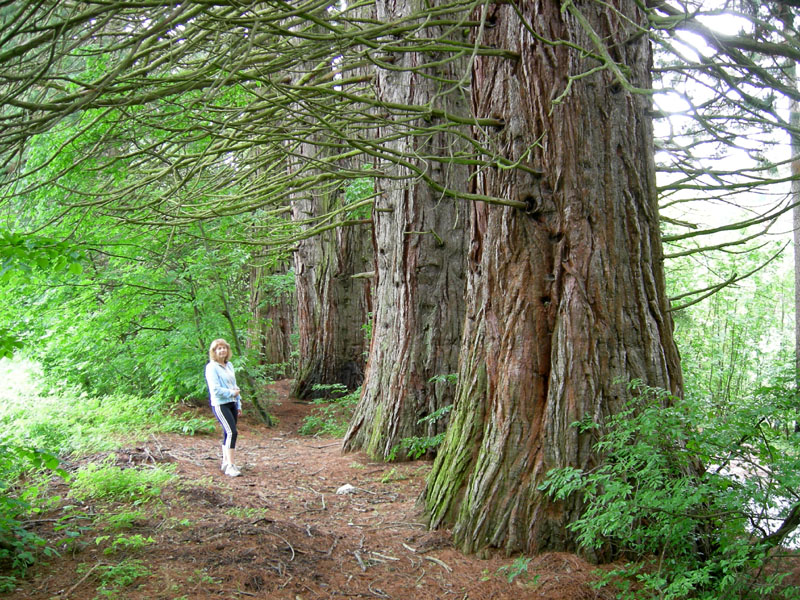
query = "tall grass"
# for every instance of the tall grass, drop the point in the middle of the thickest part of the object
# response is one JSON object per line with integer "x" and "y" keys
{"x": 71, "y": 423}
{"x": 38, "y": 428}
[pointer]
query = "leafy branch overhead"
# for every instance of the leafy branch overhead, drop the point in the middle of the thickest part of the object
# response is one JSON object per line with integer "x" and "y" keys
{"x": 195, "y": 112}
{"x": 23, "y": 254}
{"x": 151, "y": 120}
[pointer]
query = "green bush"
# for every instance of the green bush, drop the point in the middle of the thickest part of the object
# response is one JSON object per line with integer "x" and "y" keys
{"x": 18, "y": 546}
{"x": 68, "y": 424}
{"x": 188, "y": 426}
{"x": 330, "y": 418}
{"x": 77, "y": 424}
{"x": 124, "y": 543}
{"x": 121, "y": 520}
{"x": 111, "y": 483}
{"x": 114, "y": 578}
{"x": 518, "y": 568}
{"x": 417, "y": 446}
{"x": 697, "y": 507}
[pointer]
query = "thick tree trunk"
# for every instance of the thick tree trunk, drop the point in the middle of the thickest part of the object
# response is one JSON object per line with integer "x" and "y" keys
{"x": 332, "y": 306}
{"x": 566, "y": 298}
{"x": 420, "y": 259}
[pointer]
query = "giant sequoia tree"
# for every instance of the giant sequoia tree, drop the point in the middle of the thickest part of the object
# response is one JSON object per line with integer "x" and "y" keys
{"x": 420, "y": 240}
{"x": 332, "y": 304}
{"x": 567, "y": 295}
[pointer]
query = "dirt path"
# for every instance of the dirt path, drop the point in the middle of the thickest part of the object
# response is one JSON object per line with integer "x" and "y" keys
{"x": 282, "y": 531}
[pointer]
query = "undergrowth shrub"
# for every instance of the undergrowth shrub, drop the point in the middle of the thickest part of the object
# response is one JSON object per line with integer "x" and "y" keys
{"x": 114, "y": 578}
{"x": 417, "y": 446}
{"x": 187, "y": 425}
{"x": 35, "y": 429}
{"x": 118, "y": 521}
{"x": 330, "y": 417}
{"x": 18, "y": 546}
{"x": 124, "y": 543}
{"x": 517, "y": 569}
{"x": 699, "y": 508}
{"x": 81, "y": 425}
{"x": 108, "y": 482}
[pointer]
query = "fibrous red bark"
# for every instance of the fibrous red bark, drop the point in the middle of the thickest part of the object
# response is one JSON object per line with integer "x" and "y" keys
{"x": 420, "y": 237}
{"x": 565, "y": 300}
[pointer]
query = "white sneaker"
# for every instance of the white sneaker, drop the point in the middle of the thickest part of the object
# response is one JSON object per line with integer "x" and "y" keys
{"x": 223, "y": 466}
{"x": 232, "y": 471}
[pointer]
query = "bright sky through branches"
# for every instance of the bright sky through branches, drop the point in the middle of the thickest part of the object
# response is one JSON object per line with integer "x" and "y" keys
{"x": 712, "y": 140}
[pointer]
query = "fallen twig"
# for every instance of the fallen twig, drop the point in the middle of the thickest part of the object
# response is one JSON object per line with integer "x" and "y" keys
{"x": 158, "y": 444}
{"x": 330, "y": 550}
{"x": 377, "y": 592}
{"x": 384, "y": 556}
{"x": 441, "y": 563}
{"x": 81, "y": 580}
{"x": 326, "y": 445}
{"x": 287, "y": 543}
{"x": 392, "y": 524}
{"x": 285, "y": 583}
{"x": 35, "y": 521}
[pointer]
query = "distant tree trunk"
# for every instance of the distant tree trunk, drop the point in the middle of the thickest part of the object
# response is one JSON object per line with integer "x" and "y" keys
{"x": 332, "y": 306}
{"x": 795, "y": 136}
{"x": 421, "y": 249}
{"x": 564, "y": 298}
{"x": 787, "y": 16}
{"x": 272, "y": 322}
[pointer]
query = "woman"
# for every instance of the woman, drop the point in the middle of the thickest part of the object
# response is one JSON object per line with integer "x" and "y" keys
{"x": 226, "y": 400}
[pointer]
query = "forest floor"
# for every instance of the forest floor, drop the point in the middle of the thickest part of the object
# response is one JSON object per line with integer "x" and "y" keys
{"x": 282, "y": 531}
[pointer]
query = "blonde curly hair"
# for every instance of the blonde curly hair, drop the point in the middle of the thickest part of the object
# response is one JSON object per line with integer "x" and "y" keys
{"x": 214, "y": 344}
